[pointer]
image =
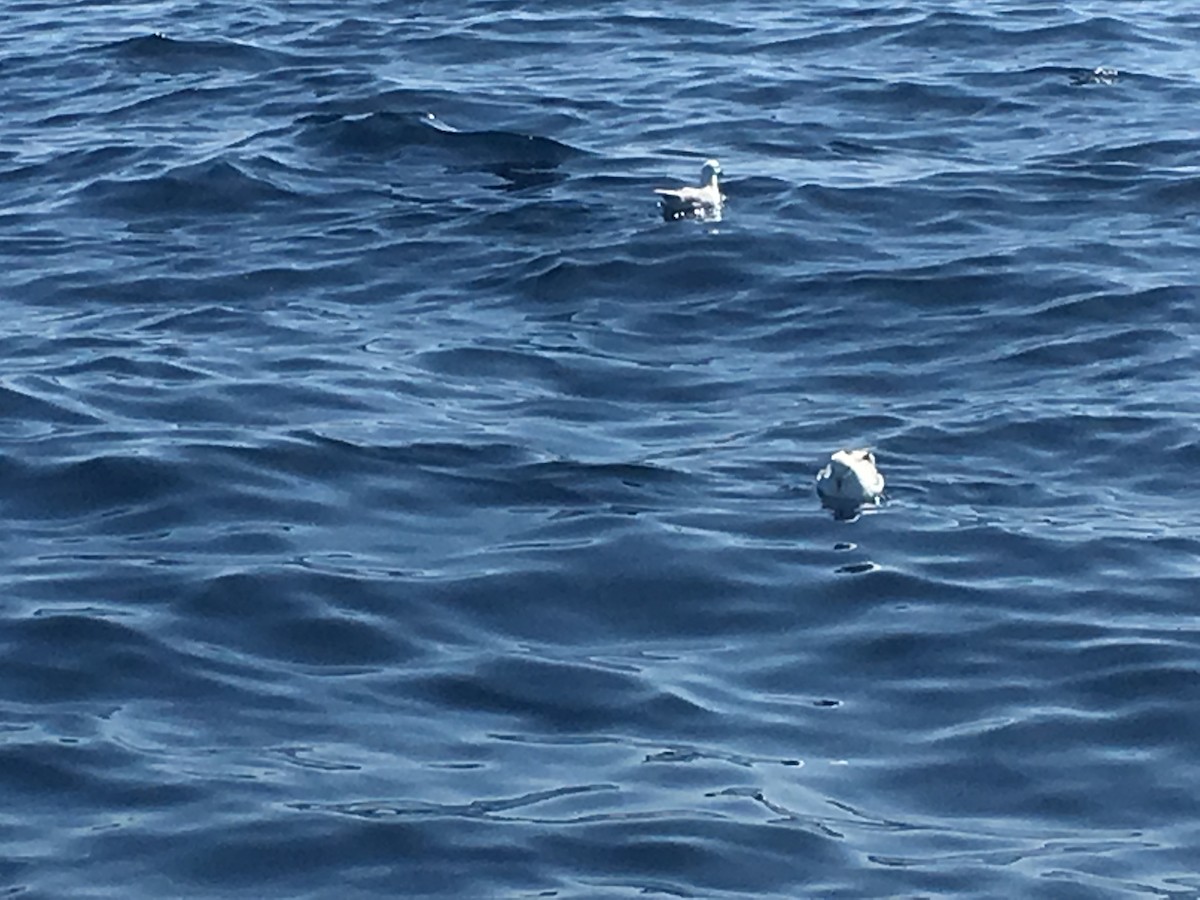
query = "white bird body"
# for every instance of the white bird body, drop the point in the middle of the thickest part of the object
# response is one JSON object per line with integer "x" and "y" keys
{"x": 702, "y": 202}
{"x": 850, "y": 477}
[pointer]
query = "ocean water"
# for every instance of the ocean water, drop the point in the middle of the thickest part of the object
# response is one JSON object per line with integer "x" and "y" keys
{"x": 395, "y": 505}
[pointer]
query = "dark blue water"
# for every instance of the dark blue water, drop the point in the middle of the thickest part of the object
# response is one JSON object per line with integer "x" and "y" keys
{"x": 395, "y": 505}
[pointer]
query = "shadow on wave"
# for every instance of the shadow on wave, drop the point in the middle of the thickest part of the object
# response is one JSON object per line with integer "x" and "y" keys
{"x": 174, "y": 56}
{"x": 522, "y": 160}
{"x": 96, "y": 486}
{"x": 494, "y": 474}
{"x": 558, "y": 695}
{"x": 214, "y": 186}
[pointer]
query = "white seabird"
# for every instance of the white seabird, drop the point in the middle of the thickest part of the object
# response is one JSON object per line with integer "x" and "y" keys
{"x": 1098, "y": 75}
{"x": 850, "y": 477}
{"x": 702, "y": 202}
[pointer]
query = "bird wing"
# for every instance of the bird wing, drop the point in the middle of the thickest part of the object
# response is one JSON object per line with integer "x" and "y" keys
{"x": 686, "y": 196}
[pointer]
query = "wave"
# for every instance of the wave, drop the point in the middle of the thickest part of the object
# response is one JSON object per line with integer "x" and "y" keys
{"x": 218, "y": 186}
{"x": 523, "y": 160}
{"x": 173, "y": 55}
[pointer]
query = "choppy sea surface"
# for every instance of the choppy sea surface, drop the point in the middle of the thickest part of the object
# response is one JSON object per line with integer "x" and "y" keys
{"x": 395, "y": 505}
